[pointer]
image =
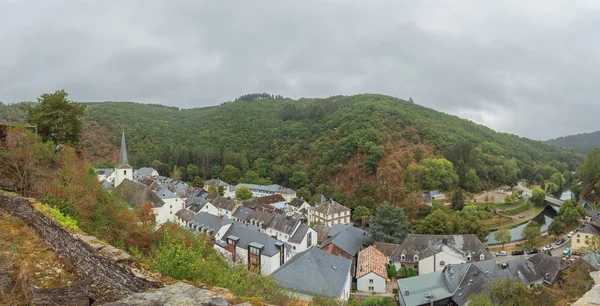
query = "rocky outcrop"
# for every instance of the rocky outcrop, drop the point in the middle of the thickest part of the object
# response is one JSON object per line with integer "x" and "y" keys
{"x": 177, "y": 294}
{"x": 109, "y": 279}
{"x": 5, "y": 280}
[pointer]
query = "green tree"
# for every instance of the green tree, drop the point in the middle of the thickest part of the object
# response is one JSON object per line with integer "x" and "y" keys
{"x": 198, "y": 182}
{"x": 213, "y": 191}
{"x": 552, "y": 188}
{"x": 389, "y": 224}
{"x": 437, "y": 223}
{"x": 538, "y": 179}
{"x": 472, "y": 182}
{"x": 161, "y": 168}
{"x": 391, "y": 271}
{"x": 192, "y": 171}
{"x": 589, "y": 170}
{"x": 250, "y": 177}
{"x": 538, "y": 196}
{"x": 458, "y": 199}
{"x": 570, "y": 212}
{"x": 299, "y": 179}
{"x": 408, "y": 272}
{"x": 531, "y": 233}
{"x": 57, "y": 119}
{"x": 502, "y": 236}
{"x": 243, "y": 193}
{"x": 439, "y": 174}
{"x": 558, "y": 179}
{"x": 493, "y": 198}
{"x": 360, "y": 212}
{"x": 480, "y": 300}
{"x": 511, "y": 292}
{"x": 486, "y": 198}
{"x": 230, "y": 174}
{"x": 379, "y": 301}
{"x": 556, "y": 227}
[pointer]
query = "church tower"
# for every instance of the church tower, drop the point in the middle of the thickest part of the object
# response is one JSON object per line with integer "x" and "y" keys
{"x": 123, "y": 170}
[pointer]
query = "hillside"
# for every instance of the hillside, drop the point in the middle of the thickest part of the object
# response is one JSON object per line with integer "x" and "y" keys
{"x": 582, "y": 143}
{"x": 359, "y": 149}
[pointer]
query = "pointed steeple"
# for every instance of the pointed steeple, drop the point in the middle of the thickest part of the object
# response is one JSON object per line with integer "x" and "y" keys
{"x": 123, "y": 162}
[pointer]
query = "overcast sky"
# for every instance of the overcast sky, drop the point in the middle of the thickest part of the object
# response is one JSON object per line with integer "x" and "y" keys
{"x": 530, "y": 68}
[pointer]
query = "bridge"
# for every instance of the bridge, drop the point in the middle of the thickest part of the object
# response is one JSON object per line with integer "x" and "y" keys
{"x": 549, "y": 200}
{"x": 554, "y": 201}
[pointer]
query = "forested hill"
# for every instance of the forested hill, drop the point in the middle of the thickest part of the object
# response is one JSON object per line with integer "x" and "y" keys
{"x": 582, "y": 143}
{"x": 361, "y": 149}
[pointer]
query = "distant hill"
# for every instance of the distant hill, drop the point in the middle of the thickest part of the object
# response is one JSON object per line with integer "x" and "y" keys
{"x": 360, "y": 149}
{"x": 582, "y": 143}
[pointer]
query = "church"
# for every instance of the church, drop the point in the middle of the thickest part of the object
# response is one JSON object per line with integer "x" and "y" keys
{"x": 113, "y": 177}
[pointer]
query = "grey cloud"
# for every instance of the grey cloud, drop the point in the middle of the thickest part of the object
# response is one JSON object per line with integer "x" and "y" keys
{"x": 528, "y": 68}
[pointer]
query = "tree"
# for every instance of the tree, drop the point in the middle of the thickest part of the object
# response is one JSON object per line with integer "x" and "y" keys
{"x": 472, "y": 182}
{"x": 486, "y": 198}
{"x": 552, "y": 188}
{"x": 493, "y": 198}
{"x": 230, "y": 174}
{"x": 213, "y": 190}
{"x": 589, "y": 170}
{"x": 511, "y": 292}
{"x": 571, "y": 212}
{"x": 558, "y": 179}
{"x": 538, "y": 196}
{"x": 538, "y": 179}
{"x": 502, "y": 236}
{"x": 57, "y": 119}
{"x": 360, "y": 212}
{"x": 161, "y": 168}
{"x": 389, "y": 224}
{"x": 531, "y": 233}
{"x": 437, "y": 223}
{"x": 556, "y": 227}
{"x": 192, "y": 171}
{"x": 508, "y": 198}
{"x": 408, "y": 272}
{"x": 438, "y": 174}
{"x": 299, "y": 179}
{"x": 391, "y": 271}
{"x": 243, "y": 193}
{"x": 198, "y": 182}
{"x": 379, "y": 301}
{"x": 221, "y": 190}
{"x": 22, "y": 160}
{"x": 458, "y": 199}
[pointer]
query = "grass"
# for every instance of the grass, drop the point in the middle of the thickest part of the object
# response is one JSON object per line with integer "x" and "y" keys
{"x": 516, "y": 211}
{"x": 31, "y": 261}
{"x": 497, "y": 221}
{"x": 62, "y": 219}
{"x": 506, "y": 205}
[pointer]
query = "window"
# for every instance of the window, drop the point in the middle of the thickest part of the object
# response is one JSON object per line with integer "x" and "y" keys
{"x": 402, "y": 257}
{"x": 481, "y": 257}
{"x": 125, "y": 172}
{"x": 468, "y": 257}
{"x": 171, "y": 206}
{"x": 416, "y": 258}
{"x": 308, "y": 240}
{"x": 371, "y": 288}
{"x": 577, "y": 235}
{"x": 578, "y": 241}
{"x": 442, "y": 263}
{"x": 370, "y": 281}
{"x": 254, "y": 251}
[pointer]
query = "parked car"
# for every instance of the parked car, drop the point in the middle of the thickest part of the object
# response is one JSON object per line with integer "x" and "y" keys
{"x": 501, "y": 253}
{"x": 570, "y": 234}
{"x": 560, "y": 241}
{"x": 547, "y": 248}
{"x": 518, "y": 243}
{"x": 566, "y": 251}
{"x": 533, "y": 251}
{"x": 517, "y": 252}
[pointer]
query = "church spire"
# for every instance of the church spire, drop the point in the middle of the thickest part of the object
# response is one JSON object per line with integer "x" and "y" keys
{"x": 123, "y": 158}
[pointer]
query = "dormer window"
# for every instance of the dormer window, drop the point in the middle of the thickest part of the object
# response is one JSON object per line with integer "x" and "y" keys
{"x": 468, "y": 257}
{"x": 442, "y": 263}
{"x": 402, "y": 257}
{"x": 481, "y": 257}
{"x": 416, "y": 258}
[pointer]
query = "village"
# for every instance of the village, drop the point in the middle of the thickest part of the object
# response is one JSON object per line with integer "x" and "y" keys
{"x": 318, "y": 251}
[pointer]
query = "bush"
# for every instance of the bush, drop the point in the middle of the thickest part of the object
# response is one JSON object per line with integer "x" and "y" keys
{"x": 64, "y": 220}
{"x": 391, "y": 271}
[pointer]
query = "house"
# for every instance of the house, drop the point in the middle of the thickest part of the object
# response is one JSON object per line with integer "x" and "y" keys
{"x": 371, "y": 270}
{"x": 137, "y": 194}
{"x": 260, "y": 219}
{"x": 266, "y": 190}
{"x": 316, "y": 273}
{"x": 213, "y": 226}
{"x": 433, "y": 195}
{"x": 293, "y": 230}
{"x": 593, "y": 259}
{"x": 112, "y": 179}
{"x": 431, "y": 253}
{"x": 242, "y": 214}
{"x": 220, "y": 206}
{"x": 173, "y": 203}
{"x": 106, "y": 174}
{"x": 243, "y": 244}
{"x": 329, "y": 213}
{"x": 386, "y": 248}
{"x": 195, "y": 203}
{"x": 298, "y": 204}
{"x": 144, "y": 173}
{"x": 183, "y": 217}
{"x": 549, "y": 267}
{"x": 455, "y": 284}
{"x": 218, "y": 184}
{"x": 303, "y": 238}
{"x": 347, "y": 241}
{"x": 580, "y": 240}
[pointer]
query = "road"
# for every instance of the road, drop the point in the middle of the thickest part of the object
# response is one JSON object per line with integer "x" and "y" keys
{"x": 556, "y": 252}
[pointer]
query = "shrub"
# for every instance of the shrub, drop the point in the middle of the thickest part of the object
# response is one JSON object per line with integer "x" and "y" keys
{"x": 64, "y": 220}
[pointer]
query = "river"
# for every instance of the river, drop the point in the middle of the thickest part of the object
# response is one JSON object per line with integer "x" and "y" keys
{"x": 543, "y": 219}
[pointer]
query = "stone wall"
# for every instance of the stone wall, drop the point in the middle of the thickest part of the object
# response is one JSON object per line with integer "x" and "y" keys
{"x": 109, "y": 281}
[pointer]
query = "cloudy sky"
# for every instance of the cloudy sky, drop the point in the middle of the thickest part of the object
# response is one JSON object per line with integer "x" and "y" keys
{"x": 530, "y": 68}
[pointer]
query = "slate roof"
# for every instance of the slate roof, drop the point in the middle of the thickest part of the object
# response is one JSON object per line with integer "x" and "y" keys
{"x": 315, "y": 272}
{"x": 320, "y": 199}
{"x": 208, "y": 222}
{"x": 322, "y": 232}
{"x": 104, "y": 171}
{"x": 107, "y": 185}
{"x": 185, "y": 215}
{"x": 371, "y": 260}
{"x": 261, "y": 217}
{"x": 274, "y": 188}
{"x": 249, "y": 234}
{"x": 523, "y": 269}
{"x": 223, "y": 203}
{"x": 419, "y": 286}
{"x": 165, "y": 193}
{"x": 589, "y": 229}
{"x": 243, "y": 213}
{"x": 331, "y": 207}
{"x": 136, "y": 194}
{"x": 270, "y": 199}
{"x": 144, "y": 171}
{"x": 299, "y": 234}
{"x": 297, "y": 202}
{"x": 195, "y": 203}
{"x": 284, "y": 224}
{"x": 427, "y": 245}
{"x": 350, "y": 240}
{"x": 386, "y": 248}
{"x": 548, "y": 266}
{"x": 215, "y": 183}
{"x": 593, "y": 259}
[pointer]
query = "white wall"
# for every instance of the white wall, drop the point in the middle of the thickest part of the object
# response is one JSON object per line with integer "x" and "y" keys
{"x": 301, "y": 247}
{"x": 267, "y": 264}
{"x": 346, "y": 294}
{"x": 121, "y": 175}
{"x": 428, "y": 265}
{"x": 210, "y": 209}
{"x": 362, "y": 284}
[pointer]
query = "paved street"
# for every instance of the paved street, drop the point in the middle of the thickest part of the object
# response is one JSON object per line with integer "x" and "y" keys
{"x": 556, "y": 252}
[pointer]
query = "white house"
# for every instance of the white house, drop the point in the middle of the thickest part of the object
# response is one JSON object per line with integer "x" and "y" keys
{"x": 293, "y": 230}
{"x": 173, "y": 203}
{"x": 431, "y": 253}
{"x": 112, "y": 178}
{"x": 211, "y": 225}
{"x": 298, "y": 204}
{"x": 329, "y": 213}
{"x": 144, "y": 173}
{"x": 243, "y": 244}
{"x": 315, "y": 272}
{"x": 106, "y": 174}
{"x": 183, "y": 217}
{"x": 267, "y": 190}
{"x": 223, "y": 206}
{"x": 371, "y": 271}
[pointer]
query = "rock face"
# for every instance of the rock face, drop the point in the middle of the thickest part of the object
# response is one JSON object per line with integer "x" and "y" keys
{"x": 177, "y": 294}
{"x": 5, "y": 280}
{"x": 108, "y": 280}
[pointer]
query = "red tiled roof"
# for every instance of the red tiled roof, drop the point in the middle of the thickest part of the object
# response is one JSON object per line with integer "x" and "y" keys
{"x": 371, "y": 260}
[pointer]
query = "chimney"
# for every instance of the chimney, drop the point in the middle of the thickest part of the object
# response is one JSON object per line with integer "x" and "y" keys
{"x": 445, "y": 240}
